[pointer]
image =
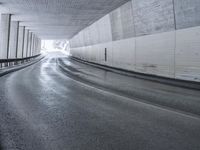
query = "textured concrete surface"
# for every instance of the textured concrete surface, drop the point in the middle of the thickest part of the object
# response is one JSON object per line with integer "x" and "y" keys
{"x": 187, "y": 13}
{"x": 25, "y": 47}
{"x": 172, "y": 54}
{"x": 29, "y": 43}
{"x": 32, "y": 42}
{"x": 44, "y": 107}
{"x": 142, "y": 38}
{"x": 188, "y": 53}
{"x": 14, "y": 31}
{"x": 5, "y": 33}
{"x": 20, "y": 45}
{"x": 122, "y": 22}
{"x": 157, "y": 55}
{"x": 153, "y": 16}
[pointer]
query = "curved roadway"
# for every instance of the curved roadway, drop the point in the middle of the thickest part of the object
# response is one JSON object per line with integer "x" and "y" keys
{"x": 60, "y": 104}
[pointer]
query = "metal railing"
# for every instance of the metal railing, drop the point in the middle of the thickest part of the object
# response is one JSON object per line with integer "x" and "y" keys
{"x": 16, "y": 61}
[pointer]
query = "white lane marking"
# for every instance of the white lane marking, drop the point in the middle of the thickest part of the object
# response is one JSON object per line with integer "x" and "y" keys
{"x": 182, "y": 113}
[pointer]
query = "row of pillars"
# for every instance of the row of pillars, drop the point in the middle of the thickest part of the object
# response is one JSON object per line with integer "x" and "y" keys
{"x": 16, "y": 41}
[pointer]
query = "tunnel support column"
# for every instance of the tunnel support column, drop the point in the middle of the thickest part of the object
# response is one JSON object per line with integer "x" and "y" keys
{"x": 25, "y": 46}
{"x": 32, "y": 44}
{"x": 36, "y": 45}
{"x": 29, "y": 43}
{"x": 5, "y": 35}
{"x": 39, "y": 45}
{"x": 20, "y": 42}
{"x": 14, "y": 30}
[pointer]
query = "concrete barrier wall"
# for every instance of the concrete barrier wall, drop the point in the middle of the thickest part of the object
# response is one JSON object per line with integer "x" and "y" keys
{"x": 149, "y": 36}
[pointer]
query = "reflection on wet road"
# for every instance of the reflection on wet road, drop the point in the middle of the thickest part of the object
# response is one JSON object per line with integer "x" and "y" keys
{"x": 60, "y": 104}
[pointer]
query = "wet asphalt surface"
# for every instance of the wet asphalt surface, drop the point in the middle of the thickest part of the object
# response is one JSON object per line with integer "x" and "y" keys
{"x": 60, "y": 104}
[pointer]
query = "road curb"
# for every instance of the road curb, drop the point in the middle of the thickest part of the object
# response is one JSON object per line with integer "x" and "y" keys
{"x": 6, "y": 71}
{"x": 170, "y": 81}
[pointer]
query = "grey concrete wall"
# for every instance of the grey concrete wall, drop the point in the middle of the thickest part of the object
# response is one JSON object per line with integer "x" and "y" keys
{"x": 20, "y": 45}
{"x": 187, "y": 13}
{"x": 116, "y": 24}
{"x": 160, "y": 37}
{"x": 14, "y": 30}
{"x": 153, "y": 16}
{"x": 99, "y": 32}
{"x": 135, "y": 18}
{"x": 122, "y": 22}
{"x": 5, "y": 35}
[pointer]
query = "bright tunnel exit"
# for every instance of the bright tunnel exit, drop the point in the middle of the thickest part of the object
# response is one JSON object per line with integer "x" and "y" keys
{"x": 55, "y": 45}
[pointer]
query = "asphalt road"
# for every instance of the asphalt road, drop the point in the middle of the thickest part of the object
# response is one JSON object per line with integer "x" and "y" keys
{"x": 60, "y": 104}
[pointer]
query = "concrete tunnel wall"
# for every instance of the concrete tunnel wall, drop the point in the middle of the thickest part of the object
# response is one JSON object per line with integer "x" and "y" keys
{"x": 160, "y": 37}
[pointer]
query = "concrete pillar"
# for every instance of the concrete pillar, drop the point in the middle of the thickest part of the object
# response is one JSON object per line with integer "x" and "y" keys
{"x": 5, "y": 35}
{"x": 32, "y": 44}
{"x": 14, "y": 30}
{"x": 33, "y": 40}
{"x": 29, "y": 44}
{"x": 35, "y": 45}
{"x": 20, "y": 47}
{"x": 25, "y": 46}
{"x": 39, "y": 45}
{"x": 36, "y": 49}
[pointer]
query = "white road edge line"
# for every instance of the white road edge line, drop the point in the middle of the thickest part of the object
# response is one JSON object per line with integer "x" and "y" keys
{"x": 182, "y": 113}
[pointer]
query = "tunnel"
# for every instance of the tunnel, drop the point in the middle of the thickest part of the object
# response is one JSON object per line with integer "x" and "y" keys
{"x": 118, "y": 75}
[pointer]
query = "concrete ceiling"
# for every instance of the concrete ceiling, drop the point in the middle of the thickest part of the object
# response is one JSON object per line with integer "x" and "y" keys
{"x": 57, "y": 19}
